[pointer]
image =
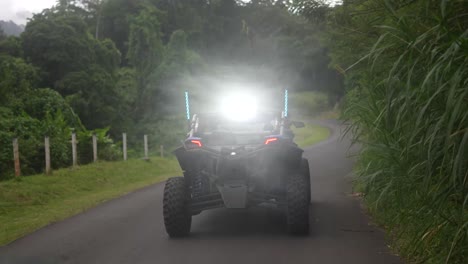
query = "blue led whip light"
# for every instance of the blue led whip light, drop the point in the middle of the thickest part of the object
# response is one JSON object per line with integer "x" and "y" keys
{"x": 285, "y": 103}
{"x": 187, "y": 105}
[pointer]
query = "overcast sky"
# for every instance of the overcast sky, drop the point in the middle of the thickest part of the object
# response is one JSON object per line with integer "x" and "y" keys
{"x": 19, "y": 10}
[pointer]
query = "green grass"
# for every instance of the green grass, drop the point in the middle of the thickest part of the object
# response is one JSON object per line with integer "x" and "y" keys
{"x": 29, "y": 203}
{"x": 311, "y": 134}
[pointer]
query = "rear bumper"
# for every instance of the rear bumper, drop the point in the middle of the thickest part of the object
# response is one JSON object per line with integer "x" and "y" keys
{"x": 241, "y": 178}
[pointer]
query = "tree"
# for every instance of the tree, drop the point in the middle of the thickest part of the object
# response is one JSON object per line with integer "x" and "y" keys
{"x": 145, "y": 45}
{"x": 315, "y": 11}
{"x": 145, "y": 49}
{"x": 11, "y": 46}
{"x": 17, "y": 78}
{"x": 166, "y": 82}
{"x": 2, "y": 34}
{"x": 94, "y": 9}
{"x": 82, "y": 68}
{"x": 58, "y": 43}
{"x": 114, "y": 23}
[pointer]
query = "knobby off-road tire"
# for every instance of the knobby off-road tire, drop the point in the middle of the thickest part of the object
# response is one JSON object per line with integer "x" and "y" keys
{"x": 177, "y": 217}
{"x": 306, "y": 173}
{"x": 298, "y": 200}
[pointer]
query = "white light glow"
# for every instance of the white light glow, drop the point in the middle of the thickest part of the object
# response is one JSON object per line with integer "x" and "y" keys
{"x": 239, "y": 107}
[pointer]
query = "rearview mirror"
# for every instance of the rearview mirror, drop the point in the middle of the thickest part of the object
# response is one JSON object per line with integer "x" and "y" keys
{"x": 298, "y": 124}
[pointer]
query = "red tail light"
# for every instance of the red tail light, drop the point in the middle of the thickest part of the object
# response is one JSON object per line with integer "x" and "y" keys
{"x": 270, "y": 140}
{"x": 193, "y": 143}
{"x": 196, "y": 142}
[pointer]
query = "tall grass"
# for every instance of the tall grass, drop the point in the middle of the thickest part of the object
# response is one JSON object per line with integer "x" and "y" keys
{"x": 409, "y": 107}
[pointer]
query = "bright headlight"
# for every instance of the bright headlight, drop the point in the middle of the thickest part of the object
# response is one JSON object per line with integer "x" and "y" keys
{"x": 239, "y": 107}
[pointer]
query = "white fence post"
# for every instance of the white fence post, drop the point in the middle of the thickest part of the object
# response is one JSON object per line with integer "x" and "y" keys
{"x": 16, "y": 157}
{"x": 146, "y": 147}
{"x": 124, "y": 136}
{"x": 95, "y": 156}
{"x": 162, "y": 151}
{"x": 48, "y": 170}
{"x": 74, "y": 151}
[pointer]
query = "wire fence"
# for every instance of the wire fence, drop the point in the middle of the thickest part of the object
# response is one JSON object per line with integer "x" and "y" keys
{"x": 74, "y": 146}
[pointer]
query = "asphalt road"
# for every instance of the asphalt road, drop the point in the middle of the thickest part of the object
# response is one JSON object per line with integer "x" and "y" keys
{"x": 131, "y": 230}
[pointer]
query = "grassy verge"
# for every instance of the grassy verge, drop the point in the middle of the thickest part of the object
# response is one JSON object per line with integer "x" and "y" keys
{"x": 30, "y": 203}
{"x": 311, "y": 134}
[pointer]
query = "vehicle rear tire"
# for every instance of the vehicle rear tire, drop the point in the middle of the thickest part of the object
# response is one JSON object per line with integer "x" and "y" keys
{"x": 177, "y": 218}
{"x": 298, "y": 200}
{"x": 306, "y": 173}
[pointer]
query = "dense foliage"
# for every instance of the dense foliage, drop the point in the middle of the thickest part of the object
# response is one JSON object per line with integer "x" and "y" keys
{"x": 406, "y": 68}
{"x": 113, "y": 66}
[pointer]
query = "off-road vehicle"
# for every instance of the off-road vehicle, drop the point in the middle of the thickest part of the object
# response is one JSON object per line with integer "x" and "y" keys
{"x": 238, "y": 164}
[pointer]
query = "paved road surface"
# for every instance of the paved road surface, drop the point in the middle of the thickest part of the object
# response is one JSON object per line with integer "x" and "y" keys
{"x": 130, "y": 229}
